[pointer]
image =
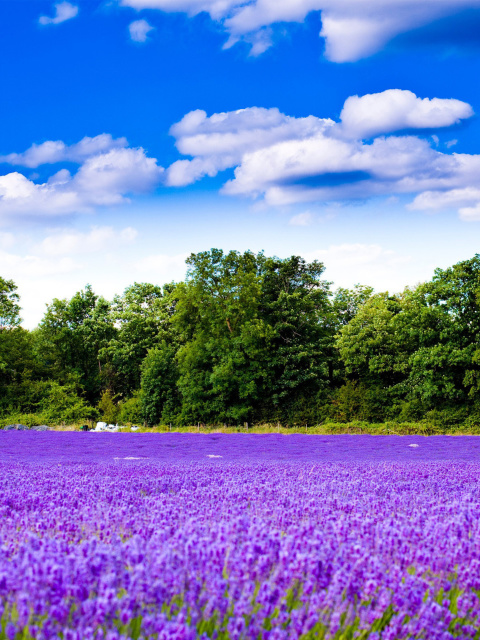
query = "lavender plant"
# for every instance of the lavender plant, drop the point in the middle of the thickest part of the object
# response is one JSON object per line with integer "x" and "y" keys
{"x": 110, "y": 537}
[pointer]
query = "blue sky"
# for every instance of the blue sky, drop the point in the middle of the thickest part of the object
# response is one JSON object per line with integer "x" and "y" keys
{"x": 100, "y": 184}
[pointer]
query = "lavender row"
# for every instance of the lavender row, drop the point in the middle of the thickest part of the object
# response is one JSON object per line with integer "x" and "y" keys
{"x": 69, "y": 447}
{"x": 273, "y": 550}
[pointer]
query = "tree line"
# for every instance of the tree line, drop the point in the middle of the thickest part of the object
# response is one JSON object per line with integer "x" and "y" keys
{"x": 248, "y": 338}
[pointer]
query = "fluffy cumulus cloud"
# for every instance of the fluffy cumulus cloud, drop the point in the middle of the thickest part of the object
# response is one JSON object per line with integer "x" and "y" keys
{"x": 139, "y": 30}
{"x": 222, "y": 140}
{"x": 108, "y": 173}
{"x": 62, "y": 11}
{"x": 352, "y": 28}
{"x": 286, "y": 160}
{"x": 394, "y": 110}
{"x": 53, "y": 151}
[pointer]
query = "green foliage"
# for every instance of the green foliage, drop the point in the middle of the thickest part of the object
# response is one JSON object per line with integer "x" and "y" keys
{"x": 9, "y": 307}
{"x": 108, "y": 408}
{"x": 296, "y": 306}
{"x": 131, "y": 411}
{"x": 17, "y": 357}
{"x": 71, "y": 336}
{"x": 160, "y": 399}
{"x": 222, "y": 336}
{"x": 250, "y": 338}
{"x": 356, "y": 401}
{"x": 140, "y": 316}
{"x": 347, "y": 302}
{"x": 45, "y": 401}
{"x": 254, "y": 336}
{"x": 369, "y": 345}
{"x": 62, "y": 402}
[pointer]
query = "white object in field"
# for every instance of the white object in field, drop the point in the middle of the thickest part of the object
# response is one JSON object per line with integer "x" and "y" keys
{"x": 213, "y": 456}
{"x": 103, "y": 426}
{"x": 413, "y": 445}
{"x": 134, "y": 428}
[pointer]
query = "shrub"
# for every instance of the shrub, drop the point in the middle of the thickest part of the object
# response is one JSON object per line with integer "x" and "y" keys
{"x": 131, "y": 410}
{"x": 108, "y": 408}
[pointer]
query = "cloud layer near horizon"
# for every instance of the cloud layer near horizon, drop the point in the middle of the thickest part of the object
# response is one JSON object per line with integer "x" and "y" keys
{"x": 352, "y": 29}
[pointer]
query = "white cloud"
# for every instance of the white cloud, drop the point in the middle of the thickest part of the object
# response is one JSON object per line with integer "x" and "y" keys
{"x": 394, "y": 110}
{"x": 108, "y": 174}
{"x": 139, "y": 30}
{"x": 301, "y": 219}
{"x": 98, "y": 239}
{"x": 63, "y": 11}
{"x": 352, "y": 29}
{"x": 470, "y": 214}
{"x": 286, "y": 160}
{"x": 448, "y": 199}
{"x": 53, "y": 151}
{"x": 220, "y": 141}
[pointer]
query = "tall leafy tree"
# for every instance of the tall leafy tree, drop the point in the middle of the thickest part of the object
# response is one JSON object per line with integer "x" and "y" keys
{"x": 295, "y": 305}
{"x": 160, "y": 398}
{"x": 9, "y": 307}
{"x": 17, "y": 358}
{"x": 141, "y": 318}
{"x": 421, "y": 348}
{"x": 254, "y": 333}
{"x": 221, "y": 372}
{"x": 369, "y": 343}
{"x": 71, "y": 336}
{"x": 445, "y": 369}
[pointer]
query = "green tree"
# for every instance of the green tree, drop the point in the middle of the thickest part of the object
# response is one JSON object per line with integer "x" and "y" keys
{"x": 221, "y": 373}
{"x": 445, "y": 316}
{"x": 9, "y": 307}
{"x": 160, "y": 398}
{"x": 422, "y": 348}
{"x": 70, "y": 339}
{"x": 17, "y": 356}
{"x": 254, "y": 334}
{"x": 347, "y": 302}
{"x": 369, "y": 343}
{"x": 108, "y": 408}
{"x": 142, "y": 319}
{"x": 295, "y": 305}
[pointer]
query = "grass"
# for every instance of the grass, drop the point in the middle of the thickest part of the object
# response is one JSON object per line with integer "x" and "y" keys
{"x": 329, "y": 427}
{"x": 326, "y": 428}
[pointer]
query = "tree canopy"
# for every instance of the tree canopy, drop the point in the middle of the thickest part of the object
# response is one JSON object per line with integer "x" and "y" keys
{"x": 249, "y": 338}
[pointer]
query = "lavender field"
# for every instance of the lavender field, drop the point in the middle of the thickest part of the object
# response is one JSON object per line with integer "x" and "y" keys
{"x": 185, "y": 536}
